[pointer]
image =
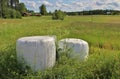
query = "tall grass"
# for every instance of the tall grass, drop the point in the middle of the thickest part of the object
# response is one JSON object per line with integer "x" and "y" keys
{"x": 102, "y": 34}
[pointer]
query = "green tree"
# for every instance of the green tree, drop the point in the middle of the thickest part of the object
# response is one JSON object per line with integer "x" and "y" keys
{"x": 8, "y": 9}
{"x": 18, "y": 15}
{"x": 21, "y": 8}
{"x": 3, "y": 7}
{"x": 16, "y": 2}
{"x": 31, "y": 11}
{"x": 43, "y": 10}
{"x": 13, "y": 3}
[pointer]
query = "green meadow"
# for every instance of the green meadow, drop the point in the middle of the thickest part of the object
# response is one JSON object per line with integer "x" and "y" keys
{"x": 101, "y": 32}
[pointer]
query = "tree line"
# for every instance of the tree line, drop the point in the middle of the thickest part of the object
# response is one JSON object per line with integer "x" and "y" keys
{"x": 15, "y": 9}
{"x": 59, "y": 15}
{"x": 95, "y": 12}
{"x": 11, "y": 9}
{"x": 43, "y": 11}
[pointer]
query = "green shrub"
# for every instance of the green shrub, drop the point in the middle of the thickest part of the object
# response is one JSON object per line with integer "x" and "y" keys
{"x": 15, "y": 14}
{"x": 58, "y": 15}
{"x": 18, "y": 15}
{"x": 11, "y": 13}
{"x": 6, "y": 13}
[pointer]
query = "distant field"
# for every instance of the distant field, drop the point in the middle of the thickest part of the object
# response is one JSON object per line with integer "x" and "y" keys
{"x": 97, "y": 30}
{"x": 101, "y": 32}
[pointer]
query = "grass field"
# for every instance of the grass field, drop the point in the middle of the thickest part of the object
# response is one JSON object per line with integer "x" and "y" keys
{"x": 101, "y": 32}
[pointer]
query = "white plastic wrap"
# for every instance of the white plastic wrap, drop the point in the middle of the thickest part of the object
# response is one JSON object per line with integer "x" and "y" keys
{"x": 79, "y": 48}
{"x": 38, "y": 52}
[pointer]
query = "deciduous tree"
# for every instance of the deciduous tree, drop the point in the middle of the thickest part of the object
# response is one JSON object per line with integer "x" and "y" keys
{"x": 43, "y": 10}
{"x": 11, "y": 8}
{"x": 21, "y": 8}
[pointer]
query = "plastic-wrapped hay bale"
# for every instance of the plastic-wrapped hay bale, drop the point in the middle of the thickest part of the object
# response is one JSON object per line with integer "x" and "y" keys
{"x": 38, "y": 52}
{"x": 78, "y": 48}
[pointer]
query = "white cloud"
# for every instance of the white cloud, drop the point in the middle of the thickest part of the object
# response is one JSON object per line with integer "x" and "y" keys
{"x": 47, "y": 3}
{"x": 104, "y": 4}
{"x": 78, "y": 4}
{"x": 73, "y": 5}
{"x": 32, "y": 4}
{"x": 60, "y": 1}
{"x": 57, "y": 4}
{"x": 66, "y": 5}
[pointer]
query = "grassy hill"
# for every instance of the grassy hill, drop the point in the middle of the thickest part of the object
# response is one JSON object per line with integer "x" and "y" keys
{"x": 101, "y": 32}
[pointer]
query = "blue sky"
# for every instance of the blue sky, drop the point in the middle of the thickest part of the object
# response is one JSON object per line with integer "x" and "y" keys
{"x": 72, "y": 5}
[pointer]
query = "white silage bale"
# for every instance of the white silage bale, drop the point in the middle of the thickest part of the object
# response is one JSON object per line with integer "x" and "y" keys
{"x": 38, "y": 52}
{"x": 78, "y": 48}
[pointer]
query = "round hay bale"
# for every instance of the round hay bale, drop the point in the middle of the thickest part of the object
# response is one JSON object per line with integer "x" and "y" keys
{"x": 77, "y": 47}
{"x": 38, "y": 52}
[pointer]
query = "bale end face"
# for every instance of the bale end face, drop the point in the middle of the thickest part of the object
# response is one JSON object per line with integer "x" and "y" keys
{"x": 78, "y": 48}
